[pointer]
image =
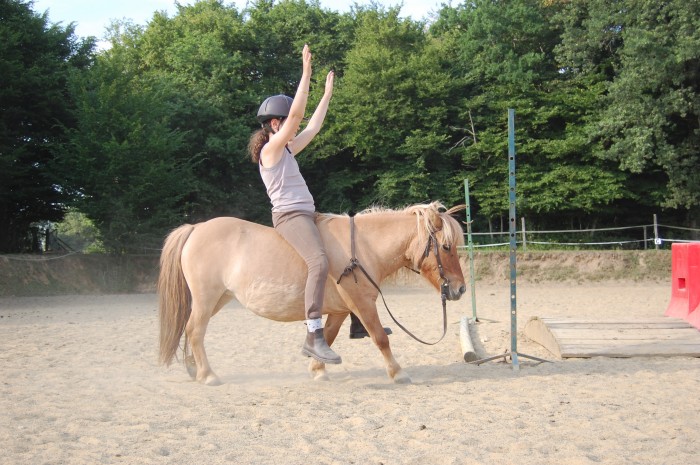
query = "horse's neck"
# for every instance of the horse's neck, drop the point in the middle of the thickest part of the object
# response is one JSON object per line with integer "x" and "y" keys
{"x": 389, "y": 238}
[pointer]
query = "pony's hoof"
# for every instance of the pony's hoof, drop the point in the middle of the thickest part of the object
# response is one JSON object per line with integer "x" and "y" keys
{"x": 212, "y": 380}
{"x": 402, "y": 378}
{"x": 317, "y": 370}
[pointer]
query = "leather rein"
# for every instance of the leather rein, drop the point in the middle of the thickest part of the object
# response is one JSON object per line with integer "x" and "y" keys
{"x": 444, "y": 286}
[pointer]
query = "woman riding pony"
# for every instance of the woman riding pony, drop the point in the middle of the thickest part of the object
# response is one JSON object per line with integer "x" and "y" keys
{"x": 274, "y": 148}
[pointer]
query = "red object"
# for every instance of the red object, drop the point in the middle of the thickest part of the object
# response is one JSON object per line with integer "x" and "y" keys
{"x": 685, "y": 285}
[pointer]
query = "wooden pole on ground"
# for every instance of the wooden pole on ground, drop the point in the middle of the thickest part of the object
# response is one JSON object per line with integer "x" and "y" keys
{"x": 465, "y": 340}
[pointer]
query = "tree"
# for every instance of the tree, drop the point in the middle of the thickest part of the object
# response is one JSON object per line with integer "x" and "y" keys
{"x": 222, "y": 64}
{"x": 201, "y": 53}
{"x": 37, "y": 60}
{"x": 126, "y": 169}
{"x": 154, "y": 130}
{"x": 165, "y": 115}
{"x": 78, "y": 233}
{"x": 652, "y": 118}
{"x": 643, "y": 56}
{"x": 385, "y": 141}
{"x": 505, "y": 59}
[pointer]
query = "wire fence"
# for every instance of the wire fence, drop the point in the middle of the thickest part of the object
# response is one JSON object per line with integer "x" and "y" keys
{"x": 640, "y": 237}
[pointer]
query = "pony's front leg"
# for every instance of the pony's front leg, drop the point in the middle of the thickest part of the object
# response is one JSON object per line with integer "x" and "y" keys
{"x": 370, "y": 320}
{"x": 330, "y": 331}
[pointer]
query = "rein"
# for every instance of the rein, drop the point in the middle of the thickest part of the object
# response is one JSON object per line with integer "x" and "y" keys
{"x": 355, "y": 263}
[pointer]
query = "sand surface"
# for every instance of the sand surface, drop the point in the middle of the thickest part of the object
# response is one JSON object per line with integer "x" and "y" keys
{"x": 81, "y": 385}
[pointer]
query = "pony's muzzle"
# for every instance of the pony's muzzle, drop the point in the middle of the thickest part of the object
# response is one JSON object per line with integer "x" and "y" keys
{"x": 452, "y": 293}
{"x": 456, "y": 294}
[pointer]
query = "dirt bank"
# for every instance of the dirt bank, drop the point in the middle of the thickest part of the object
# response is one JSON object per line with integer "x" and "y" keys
{"x": 22, "y": 275}
{"x": 577, "y": 266}
{"x": 27, "y": 275}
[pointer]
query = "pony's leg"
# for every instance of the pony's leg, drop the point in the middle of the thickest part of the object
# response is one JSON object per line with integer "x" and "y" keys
{"x": 370, "y": 320}
{"x": 196, "y": 328}
{"x": 226, "y": 298}
{"x": 330, "y": 331}
{"x": 190, "y": 363}
{"x": 332, "y": 328}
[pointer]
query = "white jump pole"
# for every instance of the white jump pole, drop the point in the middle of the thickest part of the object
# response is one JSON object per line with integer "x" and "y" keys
{"x": 465, "y": 341}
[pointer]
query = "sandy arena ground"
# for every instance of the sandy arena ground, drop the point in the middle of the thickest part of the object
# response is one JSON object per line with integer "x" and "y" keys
{"x": 81, "y": 385}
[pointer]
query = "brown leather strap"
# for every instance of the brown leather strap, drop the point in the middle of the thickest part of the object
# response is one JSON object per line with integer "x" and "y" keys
{"x": 354, "y": 263}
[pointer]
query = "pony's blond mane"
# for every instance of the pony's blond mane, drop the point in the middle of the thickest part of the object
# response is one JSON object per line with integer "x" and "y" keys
{"x": 427, "y": 215}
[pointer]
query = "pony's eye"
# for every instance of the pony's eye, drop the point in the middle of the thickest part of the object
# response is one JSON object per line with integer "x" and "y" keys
{"x": 447, "y": 247}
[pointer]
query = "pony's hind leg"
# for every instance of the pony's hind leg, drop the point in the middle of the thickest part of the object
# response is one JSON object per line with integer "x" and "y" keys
{"x": 196, "y": 329}
{"x": 191, "y": 366}
{"x": 190, "y": 363}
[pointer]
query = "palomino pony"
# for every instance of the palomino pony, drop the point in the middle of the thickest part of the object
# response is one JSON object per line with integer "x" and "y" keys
{"x": 204, "y": 266}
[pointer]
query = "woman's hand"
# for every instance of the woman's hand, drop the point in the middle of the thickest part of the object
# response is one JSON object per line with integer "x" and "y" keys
{"x": 329, "y": 84}
{"x": 314, "y": 125}
{"x": 306, "y": 60}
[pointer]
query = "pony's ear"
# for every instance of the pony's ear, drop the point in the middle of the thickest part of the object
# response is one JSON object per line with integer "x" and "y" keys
{"x": 456, "y": 209}
{"x": 435, "y": 218}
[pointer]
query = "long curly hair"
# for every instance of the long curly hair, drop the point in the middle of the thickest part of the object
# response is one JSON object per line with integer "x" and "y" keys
{"x": 257, "y": 141}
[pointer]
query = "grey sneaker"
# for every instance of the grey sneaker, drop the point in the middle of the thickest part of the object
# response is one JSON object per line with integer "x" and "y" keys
{"x": 315, "y": 346}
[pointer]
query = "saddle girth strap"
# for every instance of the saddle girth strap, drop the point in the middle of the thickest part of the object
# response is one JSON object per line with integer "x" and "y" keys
{"x": 354, "y": 263}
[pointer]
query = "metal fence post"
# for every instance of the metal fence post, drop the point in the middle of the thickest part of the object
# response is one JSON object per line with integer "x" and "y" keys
{"x": 514, "y": 355}
{"x": 656, "y": 233}
{"x": 470, "y": 245}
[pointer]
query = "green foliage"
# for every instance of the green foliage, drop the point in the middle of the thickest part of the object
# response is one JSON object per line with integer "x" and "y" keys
{"x": 506, "y": 52}
{"x": 36, "y": 60}
{"x": 653, "y": 115}
{"x": 153, "y": 132}
{"x": 123, "y": 164}
{"x": 648, "y": 121}
{"x": 79, "y": 233}
{"x": 388, "y": 141}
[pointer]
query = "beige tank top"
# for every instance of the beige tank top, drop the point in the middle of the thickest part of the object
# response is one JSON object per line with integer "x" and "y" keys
{"x": 286, "y": 186}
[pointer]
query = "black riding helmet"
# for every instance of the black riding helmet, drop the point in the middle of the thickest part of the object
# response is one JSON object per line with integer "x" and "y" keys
{"x": 277, "y": 106}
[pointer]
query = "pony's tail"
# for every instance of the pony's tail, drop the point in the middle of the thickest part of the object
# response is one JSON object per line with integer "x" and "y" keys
{"x": 174, "y": 297}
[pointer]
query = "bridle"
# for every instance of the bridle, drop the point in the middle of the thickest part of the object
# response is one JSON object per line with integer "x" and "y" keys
{"x": 444, "y": 285}
{"x": 444, "y": 281}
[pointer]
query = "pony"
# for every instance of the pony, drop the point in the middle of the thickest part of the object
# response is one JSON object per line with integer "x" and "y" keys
{"x": 204, "y": 266}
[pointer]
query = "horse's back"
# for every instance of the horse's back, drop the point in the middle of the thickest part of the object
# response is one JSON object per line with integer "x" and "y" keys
{"x": 222, "y": 241}
{"x": 237, "y": 238}
{"x": 230, "y": 228}
{"x": 248, "y": 260}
